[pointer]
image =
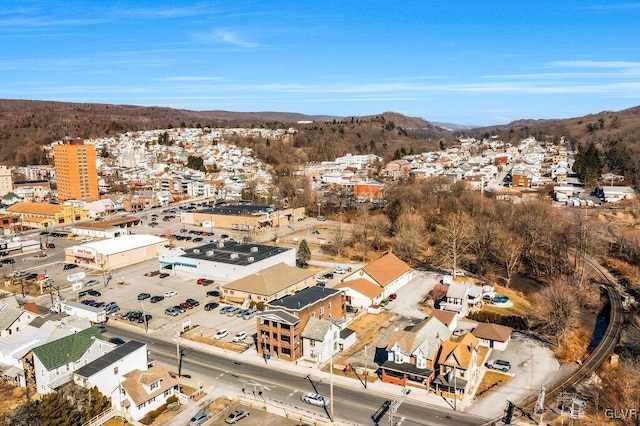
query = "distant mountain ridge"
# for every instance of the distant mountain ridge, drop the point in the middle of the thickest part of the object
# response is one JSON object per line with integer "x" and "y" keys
{"x": 25, "y": 125}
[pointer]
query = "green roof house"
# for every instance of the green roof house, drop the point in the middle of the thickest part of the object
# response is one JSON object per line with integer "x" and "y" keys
{"x": 55, "y": 362}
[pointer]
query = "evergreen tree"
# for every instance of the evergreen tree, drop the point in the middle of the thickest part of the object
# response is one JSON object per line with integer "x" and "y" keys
{"x": 304, "y": 254}
{"x": 588, "y": 164}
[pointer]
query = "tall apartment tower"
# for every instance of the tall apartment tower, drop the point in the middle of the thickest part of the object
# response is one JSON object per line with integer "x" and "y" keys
{"x": 6, "y": 182}
{"x": 76, "y": 174}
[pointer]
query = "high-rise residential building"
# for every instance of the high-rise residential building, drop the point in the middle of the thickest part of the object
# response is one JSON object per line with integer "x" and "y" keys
{"x": 76, "y": 174}
{"x": 6, "y": 182}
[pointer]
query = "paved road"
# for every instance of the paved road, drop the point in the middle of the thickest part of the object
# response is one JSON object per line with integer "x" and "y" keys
{"x": 351, "y": 403}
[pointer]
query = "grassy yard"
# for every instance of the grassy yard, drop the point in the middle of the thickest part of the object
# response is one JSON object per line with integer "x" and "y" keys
{"x": 521, "y": 305}
{"x": 491, "y": 380}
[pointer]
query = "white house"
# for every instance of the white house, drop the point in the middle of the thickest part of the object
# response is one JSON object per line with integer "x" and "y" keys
{"x": 320, "y": 339}
{"x": 56, "y": 361}
{"x": 107, "y": 372}
{"x": 12, "y": 317}
{"x": 361, "y": 293}
{"x": 461, "y": 297}
{"x": 146, "y": 390}
{"x": 493, "y": 336}
{"x": 388, "y": 272}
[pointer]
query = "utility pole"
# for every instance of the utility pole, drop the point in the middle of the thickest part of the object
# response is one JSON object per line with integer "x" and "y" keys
{"x": 539, "y": 408}
{"x": 178, "y": 357}
{"x": 331, "y": 378}
{"x": 366, "y": 373}
{"x": 144, "y": 316}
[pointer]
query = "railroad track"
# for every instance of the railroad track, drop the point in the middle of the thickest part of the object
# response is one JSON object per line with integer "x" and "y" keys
{"x": 596, "y": 357}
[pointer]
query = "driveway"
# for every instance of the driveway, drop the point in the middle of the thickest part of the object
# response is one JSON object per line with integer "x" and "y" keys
{"x": 411, "y": 295}
{"x": 532, "y": 365}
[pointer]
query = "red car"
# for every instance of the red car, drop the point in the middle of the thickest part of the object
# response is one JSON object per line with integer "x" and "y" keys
{"x": 186, "y": 305}
{"x": 200, "y": 281}
{"x": 393, "y": 296}
{"x": 51, "y": 245}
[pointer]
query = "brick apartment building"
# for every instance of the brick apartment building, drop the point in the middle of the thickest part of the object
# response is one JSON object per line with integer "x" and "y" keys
{"x": 280, "y": 326}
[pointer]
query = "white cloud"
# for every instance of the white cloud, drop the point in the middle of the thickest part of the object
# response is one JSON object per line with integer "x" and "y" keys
{"x": 190, "y": 78}
{"x": 233, "y": 38}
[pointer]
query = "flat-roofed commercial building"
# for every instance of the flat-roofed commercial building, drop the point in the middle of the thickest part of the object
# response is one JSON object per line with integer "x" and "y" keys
{"x": 226, "y": 261}
{"x": 107, "y": 228}
{"x": 243, "y": 216}
{"x": 42, "y": 215}
{"x": 116, "y": 252}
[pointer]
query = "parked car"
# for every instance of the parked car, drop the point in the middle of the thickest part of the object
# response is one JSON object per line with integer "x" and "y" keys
{"x": 111, "y": 307}
{"x": 171, "y": 312}
{"x": 51, "y": 246}
{"x": 186, "y": 305}
{"x": 239, "y": 337}
{"x": 143, "y": 296}
{"x": 89, "y": 302}
{"x": 321, "y": 280}
{"x": 141, "y": 319}
{"x": 180, "y": 309}
{"x": 339, "y": 270}
{"x": 193, "y": 302}
{"x": 164, "y": 275}
{"x": 393, "y": 296}
{"x": 315, "y": 399}
{"x": 116, "y": 340}
{"x": 12, "y": 261}
{"x": 198, "y": 239}
{"x": 499, "y": 364}
{"x": 199, "y": 419}
{"x": 214, "y": 293}
{"x": 221, "y": 334}
{"x": 211, "y": 306}
{"x": 67, "y": 266}
{"x": 90, "y": 283}
{"x": 321, "y": 218}
{"x": 94, "y": 293}
{"x": 236, "y": 416}
{"x": 134, "y": 315}
{"x": 250, "y": 313}
{"x": 225, "y": 309}
{"x": 232, "y": 311}
{"x": 156, "y": 299}
{"x": 170, "y": 293}
{"x": 352, "y": 309}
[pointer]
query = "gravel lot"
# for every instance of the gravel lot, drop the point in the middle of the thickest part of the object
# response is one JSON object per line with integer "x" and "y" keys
{"x": 532, "y": 365}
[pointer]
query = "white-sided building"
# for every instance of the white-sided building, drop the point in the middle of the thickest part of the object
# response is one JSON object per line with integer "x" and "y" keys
{"x": 146, "y": 390}
{"x": 107, "y": 372}
{"x": 320, "y": 339}
{"x": 12, "y": 317}
{"x": 226, "y": 261}
{"x": 56, "y": 361}
{"x": 116, "y": 252}
{"x": 388, "y": 272}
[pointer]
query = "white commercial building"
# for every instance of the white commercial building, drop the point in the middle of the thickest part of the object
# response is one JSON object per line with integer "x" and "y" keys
{"x": 226, "y": 261}
{"x": 116, "y": 252}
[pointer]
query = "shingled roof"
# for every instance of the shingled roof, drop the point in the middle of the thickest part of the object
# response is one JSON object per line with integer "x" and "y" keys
{"x": 490, "y": 331}
{"x": 35, "y": 208}
{"x": 270, "y": 281}
{"x": 68, "y": 349}
{"x": 386, "y": 269}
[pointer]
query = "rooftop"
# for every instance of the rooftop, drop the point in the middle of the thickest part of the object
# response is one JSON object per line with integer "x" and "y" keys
{"x": 109, "y": 358}
{"x": 241, "y": 208}
{"x": 271, "y": 280}
{"x": 235, "y": 253}
{"x": 123, "y": 243}
{"x": 67, "y": 349}
{"x": 303, "y": 298}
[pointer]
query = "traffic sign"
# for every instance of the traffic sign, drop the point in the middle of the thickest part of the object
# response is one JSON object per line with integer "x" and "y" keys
{"x": 76, "y": 287}
{"x": 76, "y": 277}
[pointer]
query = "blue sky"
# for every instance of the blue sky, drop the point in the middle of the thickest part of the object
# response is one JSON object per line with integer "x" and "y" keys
{"x": 465, "y": 61}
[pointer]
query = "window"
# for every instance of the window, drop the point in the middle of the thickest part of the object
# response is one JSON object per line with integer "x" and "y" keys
{"x": 321, "y": 311}
{"x": 115, "y": 370}
{"x": 312, "y": 343}
{"x": 154, "y": 385}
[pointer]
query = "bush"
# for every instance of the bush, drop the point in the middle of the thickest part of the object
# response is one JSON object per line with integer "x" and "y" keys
{"x": 514, "y": 321}
{"x": 172, "y": 399}
{"x": 152, "y": 415}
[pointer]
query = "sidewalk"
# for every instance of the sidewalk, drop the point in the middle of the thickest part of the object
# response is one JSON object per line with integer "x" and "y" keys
{"x": 387, "y": 390}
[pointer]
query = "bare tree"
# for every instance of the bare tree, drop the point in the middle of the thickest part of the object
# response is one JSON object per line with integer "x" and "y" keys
{"x": 379, "y": 227}
{"x": 507, "y": 250}
{"x": 409, "y": 236}
{"x": 453, "y": 240}
{"x": 555, "y": 310}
